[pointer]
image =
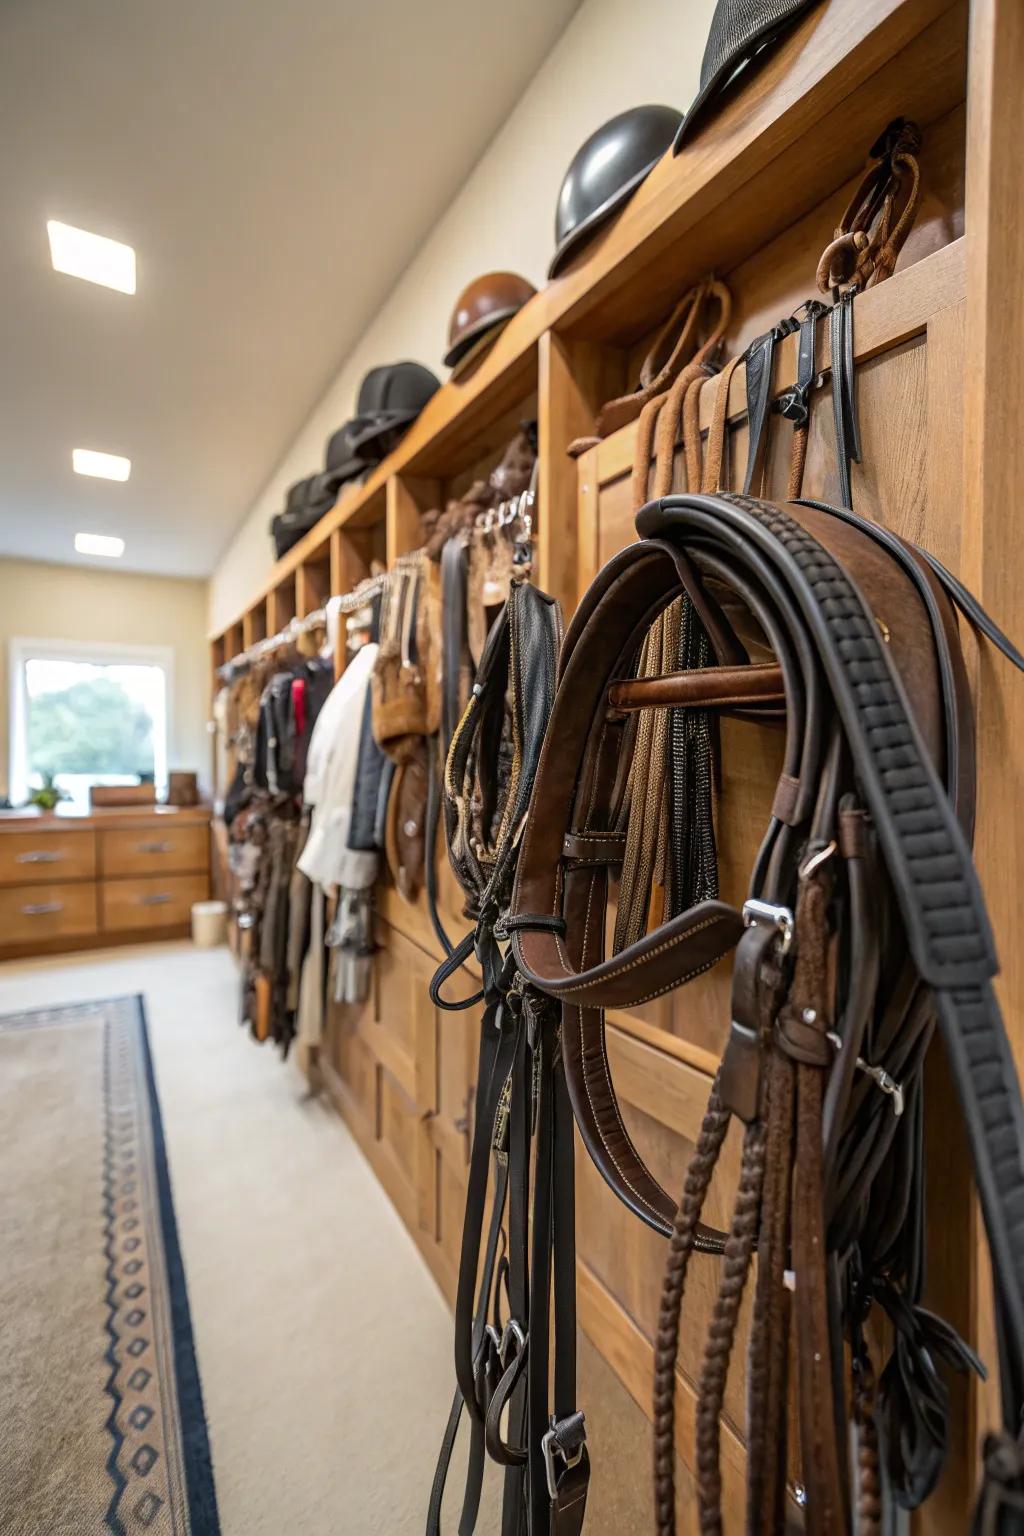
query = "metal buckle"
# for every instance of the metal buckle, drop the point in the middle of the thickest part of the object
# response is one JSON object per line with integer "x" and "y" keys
{"x": 756, "y": 912}
{"x": 813, "y": 861}
{"x": 878, "y": 1075}
{"x": 550, "y": 1447}
{"x": 887, "y": 1084}
{"x": 512, "y": 1331}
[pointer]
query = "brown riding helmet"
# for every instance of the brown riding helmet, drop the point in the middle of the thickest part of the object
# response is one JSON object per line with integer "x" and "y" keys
{"x": 486, "y": 303}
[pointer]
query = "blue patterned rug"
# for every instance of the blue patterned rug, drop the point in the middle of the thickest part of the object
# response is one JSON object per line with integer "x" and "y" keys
{"x": 100, "y": 1397}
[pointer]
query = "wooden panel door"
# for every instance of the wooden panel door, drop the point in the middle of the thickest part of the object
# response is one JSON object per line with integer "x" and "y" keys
{"x": 380, "y": 1062}
{"x": 910, "y": 344}
{"x": 621, "y": 1260}
{"x": 450, "y": 1133}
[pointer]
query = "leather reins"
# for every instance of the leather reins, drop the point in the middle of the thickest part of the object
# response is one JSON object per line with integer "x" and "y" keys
{"x": 520, "y": 1402}
{"x": 863, "y": 822}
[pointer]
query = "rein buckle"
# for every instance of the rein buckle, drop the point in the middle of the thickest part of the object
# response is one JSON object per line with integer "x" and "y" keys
{"x": 571, "y": 1455}
{"x": 757, "y": 912}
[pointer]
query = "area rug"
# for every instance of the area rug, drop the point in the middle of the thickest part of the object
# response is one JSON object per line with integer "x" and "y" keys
{"x": 100, "y": 1398}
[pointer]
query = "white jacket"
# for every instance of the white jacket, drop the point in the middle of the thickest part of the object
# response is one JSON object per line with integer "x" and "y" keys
{"x": 330, "y": 781}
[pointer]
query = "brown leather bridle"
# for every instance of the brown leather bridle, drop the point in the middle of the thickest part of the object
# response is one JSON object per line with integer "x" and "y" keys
{"x": 864, "y": 875}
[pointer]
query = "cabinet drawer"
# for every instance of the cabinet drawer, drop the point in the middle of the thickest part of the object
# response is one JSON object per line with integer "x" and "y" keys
{"x": 154, "y": 850}
{"x": 47, "y": 856}
{"x": 154, "y": 902}
{"x": 37, "y": 913}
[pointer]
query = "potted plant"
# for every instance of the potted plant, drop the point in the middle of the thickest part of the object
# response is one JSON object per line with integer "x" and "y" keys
{"x": 47, "y": 796}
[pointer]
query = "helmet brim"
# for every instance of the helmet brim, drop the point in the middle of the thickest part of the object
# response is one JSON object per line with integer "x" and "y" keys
{"x": 477, "y": 333}
{"x": 587, "y": 227}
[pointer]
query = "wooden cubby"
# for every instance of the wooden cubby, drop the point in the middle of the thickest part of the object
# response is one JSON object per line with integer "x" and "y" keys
{"x": 755, "y": 198}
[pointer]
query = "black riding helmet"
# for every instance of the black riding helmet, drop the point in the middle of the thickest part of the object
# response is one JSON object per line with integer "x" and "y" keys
{"x": 605, "y": 171}
{"x": 390, "y": 399}
{"x": 741, "y": 30}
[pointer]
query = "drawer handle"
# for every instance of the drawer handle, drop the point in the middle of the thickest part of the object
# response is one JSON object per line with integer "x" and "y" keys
{"x": 41, "y": 908}
{"x": 158, "y": 899}
{"x": 154, "y": 847}
{"x": 39, "y": 857}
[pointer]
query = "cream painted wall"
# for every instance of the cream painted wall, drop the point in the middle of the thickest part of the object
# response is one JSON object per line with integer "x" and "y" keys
{"x": 60, "y": 602}
{"x": 614, "y": 54}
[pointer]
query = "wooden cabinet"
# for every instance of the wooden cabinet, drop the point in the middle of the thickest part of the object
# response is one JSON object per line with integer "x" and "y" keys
{"x": 47, "y": 854}
{"x": 116, "y": 876}
{"x": 151, "y": 902}
{"x": 402, "y": 1072}
{"x": 153, "y": 850}
{"x": 38, "y": 914}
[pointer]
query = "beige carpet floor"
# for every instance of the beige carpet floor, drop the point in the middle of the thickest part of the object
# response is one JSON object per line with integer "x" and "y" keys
{"x": 323, "y": 1343}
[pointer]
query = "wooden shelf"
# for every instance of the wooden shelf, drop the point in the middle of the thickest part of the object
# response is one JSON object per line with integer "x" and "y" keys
{"x": 757, "y": 193}
{"x": 793, "y": 136}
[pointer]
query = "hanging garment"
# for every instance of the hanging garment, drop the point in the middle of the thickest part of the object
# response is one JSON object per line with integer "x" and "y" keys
{"x": 330, "y": 783}
{"x": 330, "y": 791}
{"x": 309, "y": 1021}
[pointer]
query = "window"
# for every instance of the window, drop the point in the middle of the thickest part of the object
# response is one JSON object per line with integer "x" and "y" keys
{"x": 87, "y": 714}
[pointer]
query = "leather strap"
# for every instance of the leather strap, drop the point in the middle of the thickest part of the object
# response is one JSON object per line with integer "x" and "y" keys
{"x": 700, "y": 688}
{"x": 759, "y": 358}
{"x": 809, "y": 576}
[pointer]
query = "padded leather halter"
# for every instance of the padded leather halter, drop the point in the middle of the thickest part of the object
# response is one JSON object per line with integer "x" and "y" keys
{"x": 864, "y": 634}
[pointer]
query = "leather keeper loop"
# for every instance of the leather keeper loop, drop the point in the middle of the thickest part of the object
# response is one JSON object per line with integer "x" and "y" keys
{"x": 537, "y": 921}
{"x": 787, "y": 793}
{"x": 853, "y": 834}
{"x": 594, "y": 847}
{"x": 803, "y": 1040}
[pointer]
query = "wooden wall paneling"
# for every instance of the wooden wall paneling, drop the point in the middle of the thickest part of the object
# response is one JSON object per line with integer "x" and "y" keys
{"x": 313, "y": 582}
{"x": 218, "y": 656}
{"x": 787, "y": 141}
{"x": 408, "y": 497}
{"x": 993, "y": 470}
{"x": 472, "y": 416}
{"x": 352, "y": 555}
{"x": 254, "y": 624}
{"x": 450, "y": 1134}
{"x": 755, "y": 196}
{"x": 402, "y": 1029}
{"x": 353, "y": 552}
{"x": 281, "y": 604}
{"x": 911, "y": 345}
{"x": 588, "y": 558}
{"x": 798, "y": 130}
{"x": 776, "y": 279}
{"x": 621, "y": 1261}
{"x": 626, "y": 1348}
{"x": 575, "y": 378}
{"x": 781, "y": 275}
{"x": 478, "y": 458}
{"x": 895, "y": 312}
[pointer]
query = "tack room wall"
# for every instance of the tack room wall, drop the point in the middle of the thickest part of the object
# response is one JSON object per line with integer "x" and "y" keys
{"x": 613, "y": 54}
{"x": 59, "y": 602}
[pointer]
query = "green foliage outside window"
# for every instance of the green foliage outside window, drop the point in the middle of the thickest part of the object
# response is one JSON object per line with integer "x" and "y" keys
{"x": 91, "y": 727}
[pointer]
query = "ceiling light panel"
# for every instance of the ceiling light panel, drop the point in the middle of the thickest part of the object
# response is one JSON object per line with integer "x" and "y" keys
{"x": 104, "y": 466}
{"x": 91, "y": 257}
{"x": 99, "y": 544}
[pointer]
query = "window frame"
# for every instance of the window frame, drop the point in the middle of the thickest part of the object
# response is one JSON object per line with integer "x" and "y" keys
{"x": 22, "y": 649}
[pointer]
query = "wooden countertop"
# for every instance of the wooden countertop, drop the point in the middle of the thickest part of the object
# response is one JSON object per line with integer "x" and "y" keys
{"x": 29, "y": 818}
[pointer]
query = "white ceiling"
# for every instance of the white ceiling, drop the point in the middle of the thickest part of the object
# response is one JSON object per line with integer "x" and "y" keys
{"x": 275, "y": 167}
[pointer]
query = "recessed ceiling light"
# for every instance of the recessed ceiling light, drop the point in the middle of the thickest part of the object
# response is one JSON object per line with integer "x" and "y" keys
{"x": 99, "y": 544}
{"x": 92, "y": 257}
{"x": 105, "y": 466}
